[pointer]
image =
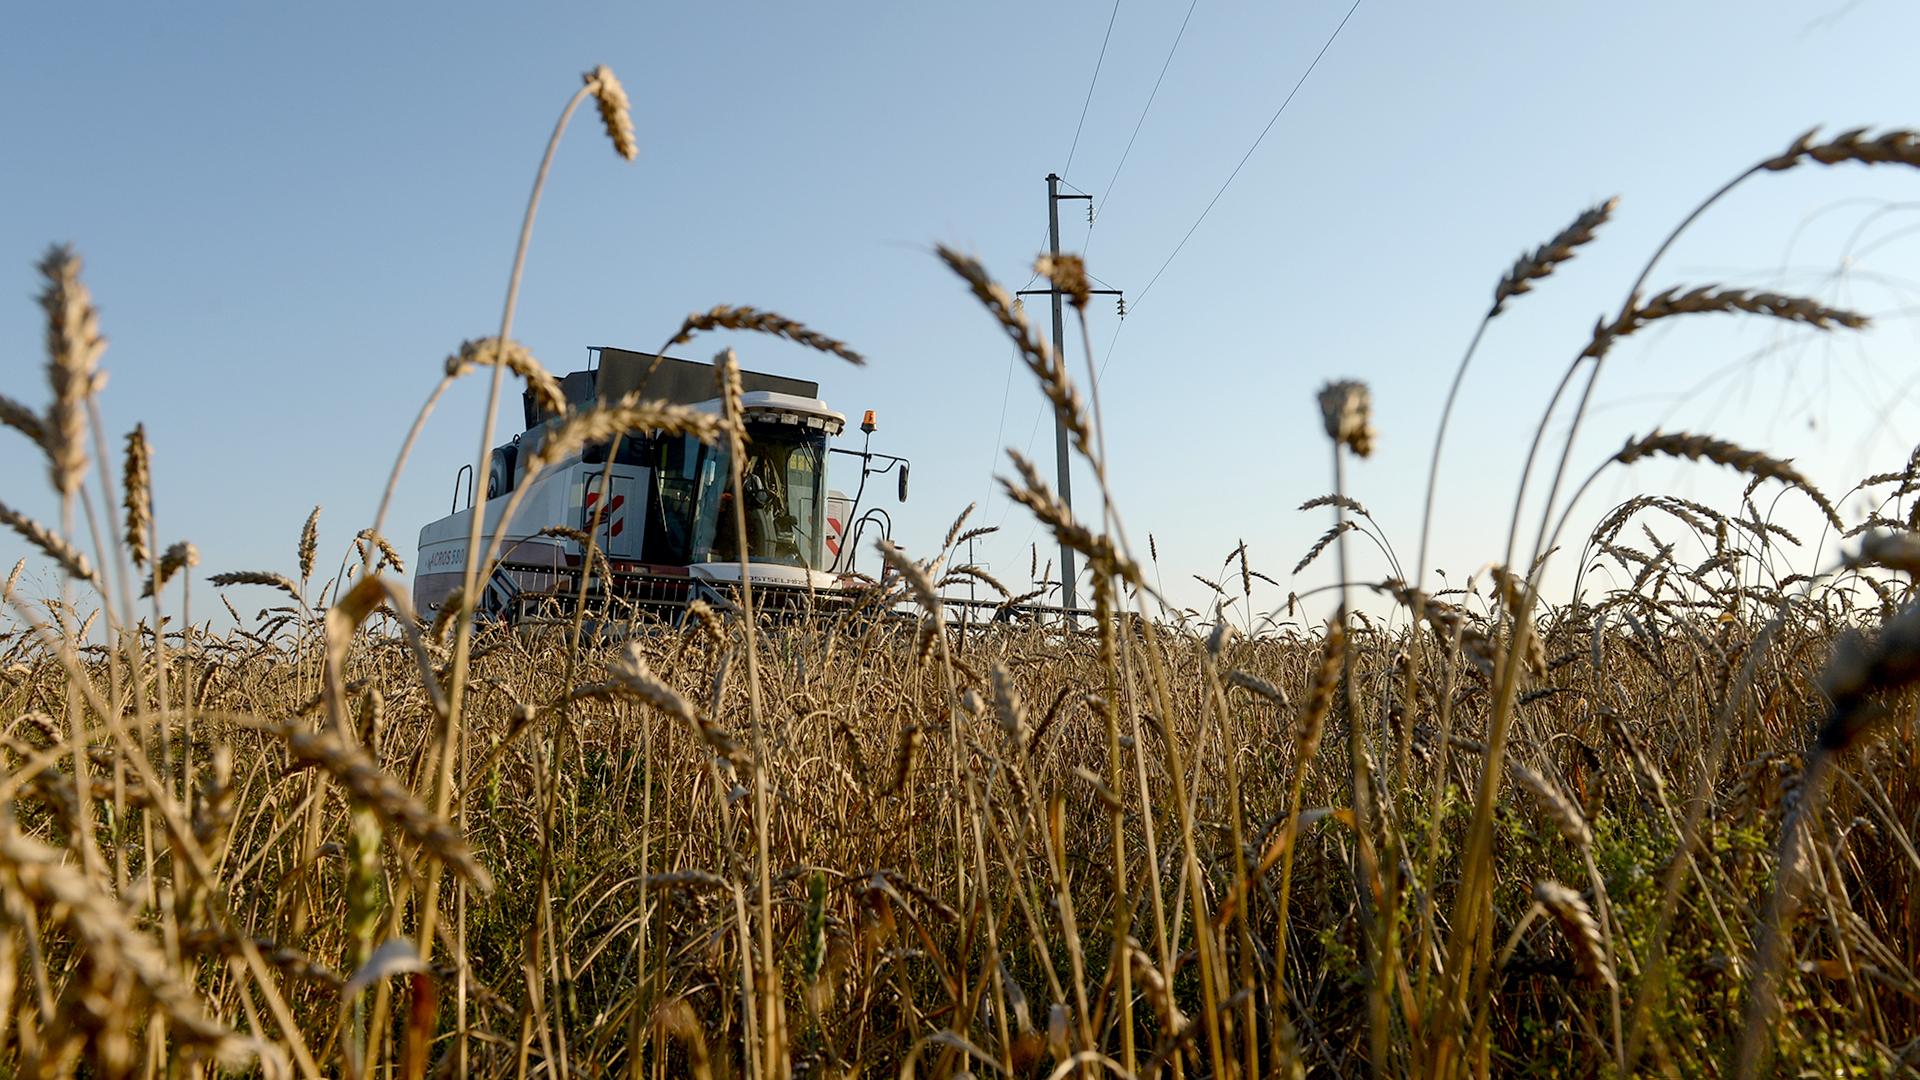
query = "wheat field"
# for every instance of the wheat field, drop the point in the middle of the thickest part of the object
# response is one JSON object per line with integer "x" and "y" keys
{"x": 1662, "y": 825}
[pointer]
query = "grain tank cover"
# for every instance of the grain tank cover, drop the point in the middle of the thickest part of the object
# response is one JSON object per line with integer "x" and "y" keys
{"x": 681, "y": 382}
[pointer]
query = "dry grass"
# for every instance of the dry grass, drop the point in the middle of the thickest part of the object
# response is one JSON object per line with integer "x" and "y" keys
{"x": 883, "y": 837}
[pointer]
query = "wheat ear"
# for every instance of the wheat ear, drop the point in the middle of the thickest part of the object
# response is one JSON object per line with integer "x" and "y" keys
{"x": 176, "y": 558}
{"x": 1570, "y": 910}
{"x": 137, "y": 479}
{"x": 484, "y": 352}
{"x": 1898, "y": 147}
{"x": 1034, "y": 494}
{"x": 309, "y": 543}
{"x": 724, "y": 317}
{"x": 604, "y": 422}
{"x": 615, "y": 111}
{"x": 74, "y": 346}
{"x": 371, "y": 786}
{"x": 1543, "y": 260}
{"x": 70, "y": 558}
{"x": 1721, "y": 452}
{"x": 1346, "y": 410}
{"x": 38, "y": 872}
{"x": 1040, "y": 360}
{"x": 1710, "y": 300}
{"x": 1565, "y": 816}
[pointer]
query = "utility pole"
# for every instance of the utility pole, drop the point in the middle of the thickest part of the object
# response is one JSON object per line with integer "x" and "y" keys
{"x": 1062, "y": 459}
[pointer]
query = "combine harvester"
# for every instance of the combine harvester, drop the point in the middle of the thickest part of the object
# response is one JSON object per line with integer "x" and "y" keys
{"x": 668, "y": 528}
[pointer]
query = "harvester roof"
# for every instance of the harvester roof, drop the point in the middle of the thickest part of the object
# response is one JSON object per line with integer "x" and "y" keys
{"x": 620, "y": 372}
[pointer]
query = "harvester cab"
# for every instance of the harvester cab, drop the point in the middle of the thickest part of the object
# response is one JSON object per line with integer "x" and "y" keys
{"x": 667, "y": 527}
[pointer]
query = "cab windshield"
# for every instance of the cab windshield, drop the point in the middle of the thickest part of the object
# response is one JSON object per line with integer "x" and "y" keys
{"x": 783, "y": 478}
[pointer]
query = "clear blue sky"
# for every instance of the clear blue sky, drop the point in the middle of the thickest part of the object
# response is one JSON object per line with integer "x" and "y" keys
{"x": 291, "y": 214}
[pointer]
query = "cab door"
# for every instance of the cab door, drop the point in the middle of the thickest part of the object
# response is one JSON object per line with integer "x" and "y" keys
{"x": 623, "y": 520}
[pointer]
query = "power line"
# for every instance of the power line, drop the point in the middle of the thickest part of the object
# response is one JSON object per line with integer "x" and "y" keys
{"x": 1072, "y": 149}
{"x": 1244, "y": 158}
{"x": 1096, "y": 81}
{"x": 1143, "y": 114}
{"x": 1035, "y": 276}
{"x": 1006, "y": 393}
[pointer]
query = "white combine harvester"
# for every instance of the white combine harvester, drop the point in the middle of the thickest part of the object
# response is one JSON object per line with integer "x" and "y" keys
{"x": 668, "y": 528}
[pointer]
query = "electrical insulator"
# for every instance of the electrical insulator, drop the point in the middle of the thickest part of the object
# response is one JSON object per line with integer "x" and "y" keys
{"x": 1121, "y": 303}
{"x": 1089, "y": 211}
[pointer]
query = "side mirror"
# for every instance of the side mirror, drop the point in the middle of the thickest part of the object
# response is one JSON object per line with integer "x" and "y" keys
{"x": 903, "y": 481}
